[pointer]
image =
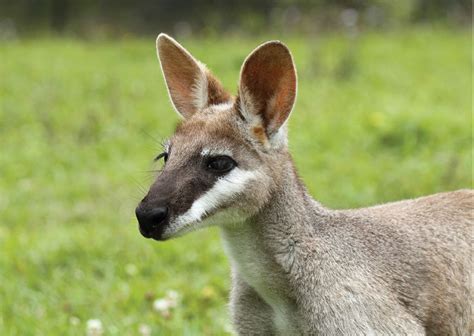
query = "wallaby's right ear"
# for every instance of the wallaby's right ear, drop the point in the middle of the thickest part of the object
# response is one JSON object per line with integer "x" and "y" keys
{"x": 267, "y": 89}
{"x": 190, "y": 85}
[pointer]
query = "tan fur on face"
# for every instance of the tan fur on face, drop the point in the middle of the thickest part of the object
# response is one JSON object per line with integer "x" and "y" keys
{"x": 219, "y": 131}
{"x": 259, "y": 133}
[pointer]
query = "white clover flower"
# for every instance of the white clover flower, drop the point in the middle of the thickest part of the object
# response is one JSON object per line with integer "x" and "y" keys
{"x": 131, "y": 269}
{"x": 164, "y": 305}
{"x": 94, "y": 328}
{"x": 144, "y": 329}
{"x": 173, "y": 298}
{"x": 74, "y": 320}
{"x": 161, "y": 305}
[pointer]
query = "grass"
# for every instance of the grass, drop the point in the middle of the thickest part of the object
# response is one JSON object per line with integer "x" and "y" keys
{"x": 379, "y": 117}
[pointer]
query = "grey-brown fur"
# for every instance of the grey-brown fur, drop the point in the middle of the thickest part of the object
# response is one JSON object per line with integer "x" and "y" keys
{"x": 298, "y": 268}
{"x": 396, "y": 269}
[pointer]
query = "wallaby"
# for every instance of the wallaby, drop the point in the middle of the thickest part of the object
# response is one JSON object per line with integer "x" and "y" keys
{"x": 299, "y": 268}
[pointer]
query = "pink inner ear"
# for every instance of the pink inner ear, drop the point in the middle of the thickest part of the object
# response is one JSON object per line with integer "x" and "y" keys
{"x": 269, "y": 77}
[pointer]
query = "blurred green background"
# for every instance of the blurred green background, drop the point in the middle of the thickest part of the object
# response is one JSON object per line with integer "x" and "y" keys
{"x": 384, "y": 112}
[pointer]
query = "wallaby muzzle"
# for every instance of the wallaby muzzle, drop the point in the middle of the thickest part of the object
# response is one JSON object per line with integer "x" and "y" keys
{"x": 153, "y": 212}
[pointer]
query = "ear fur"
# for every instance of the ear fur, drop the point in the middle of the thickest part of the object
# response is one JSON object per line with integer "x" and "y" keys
{"x": 267, "y": 88}
{"x": 191, "y": 86}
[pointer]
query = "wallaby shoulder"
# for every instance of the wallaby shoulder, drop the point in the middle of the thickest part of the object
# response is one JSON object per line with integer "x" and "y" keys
{"x": 427, "y": 229}
{"x": 420, "y": 249}
{"x": 451, "y": 211}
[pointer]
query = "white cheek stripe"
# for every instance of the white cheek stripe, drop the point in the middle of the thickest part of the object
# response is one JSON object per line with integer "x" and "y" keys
{"x": 216, "y": 151}
{"x": 223, "y": 190}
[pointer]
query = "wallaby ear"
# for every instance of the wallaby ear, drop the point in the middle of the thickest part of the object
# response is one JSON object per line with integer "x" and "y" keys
{"x": 191, "y": 86}
{"x": 267, "y": 86}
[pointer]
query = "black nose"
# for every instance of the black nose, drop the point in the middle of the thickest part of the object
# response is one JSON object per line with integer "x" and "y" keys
{"x": 150, "y": 221}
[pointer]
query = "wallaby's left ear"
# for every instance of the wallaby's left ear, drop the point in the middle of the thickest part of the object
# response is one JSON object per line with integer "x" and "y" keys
{"x": 190, "y": 85}
{"x": 267, "y": 86}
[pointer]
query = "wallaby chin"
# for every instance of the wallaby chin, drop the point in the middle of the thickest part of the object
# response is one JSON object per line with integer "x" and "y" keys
{"x": 402, "y": 268}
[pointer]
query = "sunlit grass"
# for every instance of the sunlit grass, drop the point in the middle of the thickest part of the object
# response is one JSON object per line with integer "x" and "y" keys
{"x": 379, "y": 117}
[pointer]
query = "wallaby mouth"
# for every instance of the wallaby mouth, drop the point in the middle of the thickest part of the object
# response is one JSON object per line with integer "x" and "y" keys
{"x": 151, "y": 223}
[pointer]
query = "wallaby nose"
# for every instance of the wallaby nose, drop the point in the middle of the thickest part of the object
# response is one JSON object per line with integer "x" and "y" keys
{"x": 150, "y": 221}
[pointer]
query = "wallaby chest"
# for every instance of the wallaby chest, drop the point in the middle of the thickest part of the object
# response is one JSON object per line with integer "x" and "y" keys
{"x": 256, "y": 266}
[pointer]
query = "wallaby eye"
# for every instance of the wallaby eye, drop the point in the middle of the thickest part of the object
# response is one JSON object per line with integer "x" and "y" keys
{"x": 163, "y": 155}
{"x": 220, "y": 164}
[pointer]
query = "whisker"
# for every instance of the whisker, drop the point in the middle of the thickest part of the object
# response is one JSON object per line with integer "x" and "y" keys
{"x": 155, "y": 171}
{"x": 140, "y": 186}
{"x": 151, "y": 136}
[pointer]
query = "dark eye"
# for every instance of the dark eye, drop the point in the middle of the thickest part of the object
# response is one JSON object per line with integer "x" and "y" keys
{"x": 163, "y": 155}
{"x": 220, "y": 164}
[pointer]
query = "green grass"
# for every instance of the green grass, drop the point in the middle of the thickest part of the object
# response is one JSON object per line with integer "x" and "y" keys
{"x": 379, "y": 117}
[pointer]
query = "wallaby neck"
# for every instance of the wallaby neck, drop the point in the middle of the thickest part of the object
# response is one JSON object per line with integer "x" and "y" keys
{"x": 291, "y": 207}
{"x": 290, "y": 213}
{"x": 262, "y": 248}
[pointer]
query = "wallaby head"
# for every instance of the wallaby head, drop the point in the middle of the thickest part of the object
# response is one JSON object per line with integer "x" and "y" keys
{"x": 228, "y": 154}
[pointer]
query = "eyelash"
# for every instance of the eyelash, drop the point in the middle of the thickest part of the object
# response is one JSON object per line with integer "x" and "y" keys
{"x": 163, "y": 155}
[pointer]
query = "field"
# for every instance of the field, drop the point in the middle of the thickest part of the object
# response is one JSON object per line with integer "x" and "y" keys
{"x": 380, "y": 116}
